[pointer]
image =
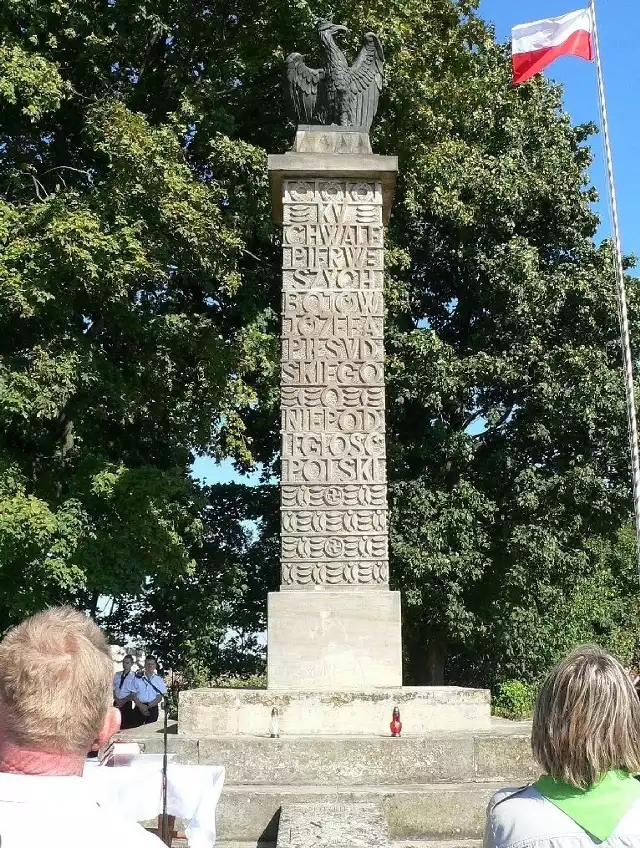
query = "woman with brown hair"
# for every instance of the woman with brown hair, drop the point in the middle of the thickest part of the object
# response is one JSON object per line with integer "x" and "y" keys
{"x": 586, "y": 738}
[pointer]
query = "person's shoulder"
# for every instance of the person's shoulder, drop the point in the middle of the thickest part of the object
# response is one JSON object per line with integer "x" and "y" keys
{"x": 510, "y": 793}
{"x": 510, "y": 809}
{"x": 521, "y": 814}
{"x": 66, "y": 816}
{"x": 630, "y": 824}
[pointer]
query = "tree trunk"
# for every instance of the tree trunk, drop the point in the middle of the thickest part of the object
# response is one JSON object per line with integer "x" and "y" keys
{"x": 435, "y": 660}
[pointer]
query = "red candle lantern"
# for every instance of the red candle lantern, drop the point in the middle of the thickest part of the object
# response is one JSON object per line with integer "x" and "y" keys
{"x": 396, "y": 724}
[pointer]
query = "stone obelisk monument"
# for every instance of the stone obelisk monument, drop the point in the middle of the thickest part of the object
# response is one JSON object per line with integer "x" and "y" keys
{"x": 334, "y": 623}
{"x": 334, "y": 641}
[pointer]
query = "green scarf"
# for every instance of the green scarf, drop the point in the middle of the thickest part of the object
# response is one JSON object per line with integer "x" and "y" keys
{"x": 598, "y": 809}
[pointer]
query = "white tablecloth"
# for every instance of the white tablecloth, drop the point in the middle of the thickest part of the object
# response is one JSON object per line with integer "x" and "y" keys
{"x": 136, "y": 791}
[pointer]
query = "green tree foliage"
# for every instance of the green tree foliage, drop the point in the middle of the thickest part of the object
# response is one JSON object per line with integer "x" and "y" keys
{"x": 208, "y": 622}
{"x": 130, "y": 300}
{"x": 509, "y": 447}
{"x": 514, "y": 700}
{"x": 139, "y": 291}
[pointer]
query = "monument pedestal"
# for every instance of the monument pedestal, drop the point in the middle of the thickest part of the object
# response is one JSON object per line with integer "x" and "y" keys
{"x": 434, "y": 787}
{"x": 334, "y": 633}
{"x": 349, "y": 712}
{"x": 323, "y": 641}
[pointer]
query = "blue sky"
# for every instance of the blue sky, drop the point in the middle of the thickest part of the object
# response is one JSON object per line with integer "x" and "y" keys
{"x": 208, "y": 471}
{"x": 617, "y": 24}
{"x": 617, "y": 20}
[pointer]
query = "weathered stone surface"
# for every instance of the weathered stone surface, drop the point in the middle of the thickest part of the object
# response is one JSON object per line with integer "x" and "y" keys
{"x": 185, "y": 751}
{"x": 333, "y": 196}
{"x": 239, "y": 712}
{"x": 503, "y": 753}
{"x": 505, "y": 757}
{"x": 238, "y": 843}
{"x": 316, "y": 139}
{"x": 327, "y": 641}
{"x": 249, "y": 813}
{"x": 332, "y": 353}
{"x": 345, "y": 761}
{"x": 361, "y": 166}
{"x": 433, "y": 787}
{"x": 439, "y": 811}
{"x": 332, "y": 825}
{"x": 462, "y": 842}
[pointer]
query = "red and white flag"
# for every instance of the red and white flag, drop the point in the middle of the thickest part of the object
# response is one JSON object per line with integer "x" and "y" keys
{"x": 536, "y": 45}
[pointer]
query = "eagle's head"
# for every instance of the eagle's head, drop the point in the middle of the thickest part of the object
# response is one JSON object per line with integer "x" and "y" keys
{"x": 326, "y": 27}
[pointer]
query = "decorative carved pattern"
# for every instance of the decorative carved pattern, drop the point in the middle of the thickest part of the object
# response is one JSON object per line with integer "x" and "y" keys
{"x": 333, "y": 496}
{"x": 334, "y": 547}
{"x": 334, "y": 521}
{"x": 334, "y": 573}
{"x": 334, "y": 397}
{"x": 333, "y": 492}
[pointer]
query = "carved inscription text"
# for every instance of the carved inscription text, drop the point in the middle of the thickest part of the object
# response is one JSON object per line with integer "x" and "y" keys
{"x": 333, "y": 491}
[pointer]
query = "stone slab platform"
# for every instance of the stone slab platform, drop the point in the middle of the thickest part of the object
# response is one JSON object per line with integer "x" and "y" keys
{"x": 398, "y": 843}
{"x": 501, "y": 754}
{"x": 250, "y": 814}
{"x": 433, "y": 788}
{"x": 333, "y": 826}
{"x": 247, "y": 712}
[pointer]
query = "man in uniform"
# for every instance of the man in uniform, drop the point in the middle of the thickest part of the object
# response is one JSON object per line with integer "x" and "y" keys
{"x": 124, "y": 684}
{"x": 149, "y": 691}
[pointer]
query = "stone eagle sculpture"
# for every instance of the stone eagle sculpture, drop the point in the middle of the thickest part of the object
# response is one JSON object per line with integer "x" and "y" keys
{"x": 337, "y": 94}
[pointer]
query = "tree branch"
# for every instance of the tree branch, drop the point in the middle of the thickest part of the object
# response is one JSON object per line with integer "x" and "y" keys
{"x": 37, "y": 185}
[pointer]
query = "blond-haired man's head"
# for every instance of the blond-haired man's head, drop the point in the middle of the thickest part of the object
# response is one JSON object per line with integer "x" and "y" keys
{"x": 55, "y": 683}
{"x": 587, "y": 719}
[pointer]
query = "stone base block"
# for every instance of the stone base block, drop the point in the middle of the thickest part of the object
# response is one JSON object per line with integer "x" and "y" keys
{"x": 251, "y": 814}
{"x": 421, "y": 816}
{"x": 247, "y": 712}
{"x": 328, "y": 641}
{"x": 333, "y": 825}
{"x": 502, "y": 753}
{"x": 316, "y": 139}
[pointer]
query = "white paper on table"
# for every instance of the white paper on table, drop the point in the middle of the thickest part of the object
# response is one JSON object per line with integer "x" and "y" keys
{"x": 193, "y": 793}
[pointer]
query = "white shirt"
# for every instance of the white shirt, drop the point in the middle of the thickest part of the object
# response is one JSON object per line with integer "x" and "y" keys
{"x": 59, "y": 812}
{"x": 128, "y": 684}
{"x": 145, "y": 691}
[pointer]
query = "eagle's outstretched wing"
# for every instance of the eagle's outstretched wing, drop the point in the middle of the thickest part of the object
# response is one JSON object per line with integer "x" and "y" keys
{"x": 366, "y": 81}
{"x": 306, "y": 86}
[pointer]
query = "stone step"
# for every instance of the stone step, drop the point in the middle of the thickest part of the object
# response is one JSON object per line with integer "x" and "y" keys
{"x": 366, "y": 712}
{"x": 331, "y": 825}
{"x": 437, "y": 843}
{"x": 437, "y": 812}
{"x": 502, "y": 755}
{"x": 398, "y": 843}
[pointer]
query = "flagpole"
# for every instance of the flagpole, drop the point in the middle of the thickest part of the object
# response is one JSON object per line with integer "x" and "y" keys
{"x": 625, "y": 338}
